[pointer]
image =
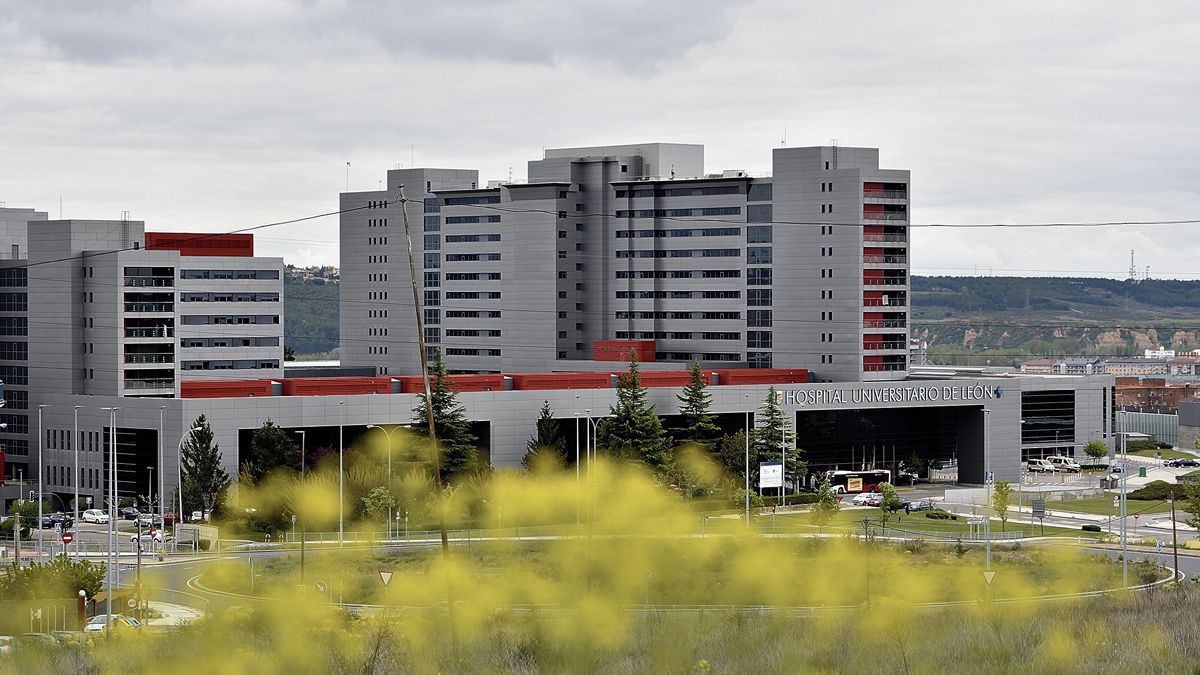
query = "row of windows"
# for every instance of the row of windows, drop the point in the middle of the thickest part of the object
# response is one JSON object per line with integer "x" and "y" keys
{"x": 472, "y": 276}
{"x": 758, "y": 297}
{"x": 758, "y": 234}
{"x": 14, "y": 325}
{"x": 14, "y": 277}
{"x": 228, "y": 297}
{"x": 215, "y": 320}
{"x": 680, "y": 274}
{"x": 377, "y": 222}
{"x": 14, "y": 351}
{"x": 16, "y": 375}
{"x": 372, "y": 259}
{"x": 239, "y": 364}
{"x": 376, "y": 204}
{"x": 467, "y": 220}
{"x": 377, "y": 313}
{"x": 679, "y": 295}
{"x": 377, "y": 241}
{"x": 377, "y": 332}
{"x": 759, "y": 213}
{"x": 676, "y": 335}
{"x": 467, "y": 238}
{"x": 694, "y": 232}
{"x": 472, "y": 314}
{"x": 16, "y": 399}
{"x": 471, "y": 257}
{"x": 681, "y": 192}
{"x": 474, "y": 199}
{"x": 472, "y": 352}
{"x": 758, "y": 276}
{"x": 17, "y": 424}
{"x": 683, "y": 253}
{"x": 463, "y": 332}
{"x": 758, "y": 255}
{"x": 472, "y": 295}
{"x": 758, "y": 359}
{"x": 688, "y": 356}
{"x": 377, "y": 276}
{"x": 229, "y": 274}
{"x": 14, "y": 302}
{"x": 758, "y": 318}
{"x": 707, "y": 316}
{"x": 377, "y": 350}
{"x": 758, "y": 339}
{"x": 229, "y": 342}
{"x": 15, "y": 446}
{"x": 680, "y": 213}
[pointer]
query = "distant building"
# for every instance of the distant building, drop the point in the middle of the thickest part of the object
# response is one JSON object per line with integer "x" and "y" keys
{"x": 1127, "y": 365}
{"x": 1160, "y": 353}
{"x": 1038, "y": 366}
{"x": 1153, "y": 393}
{"x": 1079, "y": 367}
{"x": 1184, "y": 365}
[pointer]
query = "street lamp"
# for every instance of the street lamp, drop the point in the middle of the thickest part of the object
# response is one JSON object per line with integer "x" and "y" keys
{"x": 341, "y": 474}
{"x": 112, "y": 514}
{"x": 387, "y": 435}
{"x": 577, "y": 459}
{"x": 75, "y": 480}
{"x": 747, "y": 435}
{"x": 150, "y": 491}
{"x": 40, "y": 471}
{"x": 162, "y": 472}
{"x": 301, "y": 452}
{"x": 179, "y": 476}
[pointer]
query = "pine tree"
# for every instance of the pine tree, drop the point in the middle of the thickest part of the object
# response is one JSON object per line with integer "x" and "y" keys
{"x": 204, "y": 479}
{"x": 694, "y": 403}
{"x": 271, "y": 447}
{"x": 634, "y": 430}
{"x": 455, "y": 440}
{"x": 768, "y": 442}
{"x": 547, "y": 446}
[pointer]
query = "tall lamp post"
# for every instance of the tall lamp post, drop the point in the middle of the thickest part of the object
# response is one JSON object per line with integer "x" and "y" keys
{"x": 1124, "y": 504}
{"x": 747, "y": 434}
{"x": 577, "y": 516}
{"x": 75, "y": 479}
{"x": 41, "y": 470}
{"x": 179, "y": 477}
{"x": 302, "y": 453}
{"x": 112, "y": 514}
{"x": 987, "y": 478}
{"x": 162, "y": 472}
{"x": 341, "y": 473}
{"x": 388, "y": 436}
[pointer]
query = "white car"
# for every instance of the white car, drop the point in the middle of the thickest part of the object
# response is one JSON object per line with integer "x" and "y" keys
{"x": 1042, "y": 466}
{"x": 1065, "y": 464}
{"x": 95, "y": 516}
{"x": 862, "y": 498}
{"x": 98, "y": 623}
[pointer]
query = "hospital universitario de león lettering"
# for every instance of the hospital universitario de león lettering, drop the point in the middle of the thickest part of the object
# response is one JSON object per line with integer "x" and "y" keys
{"x": 916, "y": 394}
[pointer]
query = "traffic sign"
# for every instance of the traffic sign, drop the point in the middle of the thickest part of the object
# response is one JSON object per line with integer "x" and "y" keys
{"x": 1039, "y": 508}
{"x": 770, "y": 474}
{"x": 989, "y": 575}
{"x": 1136, "y": 516}
{"x": 67, "y": 537}
{"x": 321, "y": 586}
{"x": 385, "y": 577}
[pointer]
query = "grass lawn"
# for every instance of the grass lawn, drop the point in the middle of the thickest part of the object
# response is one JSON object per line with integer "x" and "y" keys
{"x": 1102, "y": 506}
{"x": 847, "y": 520}
{"x": 1166, "y": 454}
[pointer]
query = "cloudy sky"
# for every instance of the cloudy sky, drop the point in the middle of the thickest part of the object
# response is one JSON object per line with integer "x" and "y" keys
{"x": 221, "y": 114}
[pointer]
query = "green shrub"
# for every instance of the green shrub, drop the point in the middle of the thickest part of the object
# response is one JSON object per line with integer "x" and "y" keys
{"x": 1090, "y": 528}
{"x": 940, "y": 515}
{"x": 204, "y": 544}
{"x": 1155, "y": 491}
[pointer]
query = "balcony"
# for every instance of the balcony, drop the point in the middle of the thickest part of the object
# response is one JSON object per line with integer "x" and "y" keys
{"x": 885, "y": 323}
{"x": 159, "y": 332}
{"x": 884, "y": 346}
{"x": 885, "y": 194}
{"x": 883, "y": 367}
{"x": 886, "y": 301}
{"x": 886, "y": 259}
{"x": 150, "y": 384}
{"x": 164, "y": 307}
{"x": 143, "y": 359}
{"x": 149, "y": 282}
{"x": 884, "y": 215}
{"x": 885, "y": 281}
{"x": 898, "y": 238}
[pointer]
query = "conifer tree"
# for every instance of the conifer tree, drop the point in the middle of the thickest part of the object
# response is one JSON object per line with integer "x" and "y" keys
{"x": 694, "y": 405}
{"x": 547, "y": 446}
{"x": 204, "y": 478}
{"x": 456, "y": 443}
{"x": 634, "y": 430}
{"x": 769, "y": 439}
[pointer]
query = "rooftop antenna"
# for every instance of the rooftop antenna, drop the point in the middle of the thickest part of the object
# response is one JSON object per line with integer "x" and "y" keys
{"x": 833, "y": 143}
{"x": 1132, "y": 267}
{"x": 1147, "y": 277}
{"x": 783, "y": 138}
{"x": 510, "y": 174}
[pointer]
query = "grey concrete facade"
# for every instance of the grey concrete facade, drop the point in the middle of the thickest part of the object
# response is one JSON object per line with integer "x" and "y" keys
{"x": 805, "y": 269}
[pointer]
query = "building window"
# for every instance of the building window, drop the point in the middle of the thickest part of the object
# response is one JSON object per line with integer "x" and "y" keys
{"x": 759, "y": 213}
{"x": 758, "y": 318}
{"x": 758, "y": 234}
{"x": 758, "y": 255}
{"x": 758, "y": 276}
{"x": 758, "y": 297}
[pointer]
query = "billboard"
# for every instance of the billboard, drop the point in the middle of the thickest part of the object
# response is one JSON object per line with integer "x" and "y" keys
{"x": 770, "y": 474}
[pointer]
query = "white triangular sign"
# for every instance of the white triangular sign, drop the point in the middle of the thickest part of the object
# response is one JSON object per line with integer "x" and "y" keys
{"x": 385, "y": 576}
{"x": 989, "y": 575}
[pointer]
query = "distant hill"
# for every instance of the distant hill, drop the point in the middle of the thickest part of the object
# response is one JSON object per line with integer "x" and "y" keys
{"x": 966, "y": 320}
{"x": 974, "y": 320}
{"x": 310, "y": 313}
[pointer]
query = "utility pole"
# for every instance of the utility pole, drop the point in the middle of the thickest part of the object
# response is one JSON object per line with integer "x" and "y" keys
{"x": 1174, "y": 541}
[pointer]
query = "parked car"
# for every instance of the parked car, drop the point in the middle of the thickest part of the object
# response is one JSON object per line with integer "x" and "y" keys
{"x": 169, "y": 518}
{"x": 1117, "y": 468}
{"x": 861, "y": 498}
{"x": 1182, "y": 462}
{"x": 95, "y": 516}
{"x": 147, "y": 519}
{"x": 919, "y": 505}
{"x": 1042, "y": 466}
{"x": 875, "y": 499}
{"x": 128, "y": 513}
{"x": 98, "y": 623}
{"x": 1064, "y": 464}
{"x": 66, "y": 519}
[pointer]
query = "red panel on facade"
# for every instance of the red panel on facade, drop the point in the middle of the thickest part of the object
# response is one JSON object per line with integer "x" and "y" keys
{"x": 872, "y": 208}
{"x": 872, "y": 361}
{"x": 527, "y": 381}
{"x": 668, "y": 378}
{"x": 336, "y": 386}
{"x": 224, "y": 388}
{"x": 872, "y": 341}
{"x": 412, "y": 384}
{"x": 872, "y": 187}
{"x": 618, "y": 350}
{"x": 763, "y": 376}
{"x": 872, "y": 295}
{"x": 872, "y": 229}
{"x": 199, "y": 243}
{"x": 872, "y": 251}
{"x": 869, "y": 275}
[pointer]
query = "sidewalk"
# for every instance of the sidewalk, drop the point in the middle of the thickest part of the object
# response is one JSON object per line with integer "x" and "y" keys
{"x": 172, "y": 615}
